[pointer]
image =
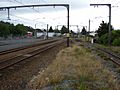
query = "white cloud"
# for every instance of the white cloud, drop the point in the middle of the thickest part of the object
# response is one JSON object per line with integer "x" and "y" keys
{"x": 80, "y": 13}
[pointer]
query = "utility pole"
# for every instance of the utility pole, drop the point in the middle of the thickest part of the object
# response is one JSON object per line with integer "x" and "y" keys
{"x": 109, "y": 41}
{"x": 35, "y": 33}
{"x": 109, "y": 5}
{"x": 8, "y": 14}
{"x": 89, "y": 31}
{"x": 47, "y": 30}
{"x": 68, "y": 35}
{"x": 89, "y": 25}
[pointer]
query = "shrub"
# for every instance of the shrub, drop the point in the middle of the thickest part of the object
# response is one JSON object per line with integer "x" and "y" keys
{"x": 115, "y": 38}
{"x": 116, "y": 42}
{"x": 103, "y": 39}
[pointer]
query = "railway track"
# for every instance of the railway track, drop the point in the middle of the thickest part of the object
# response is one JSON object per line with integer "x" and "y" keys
{"x": 26, "y": 47}
{"x": 112, "y": 56}
{"x": 11, "y": 61}
{"x": 13, "y": 53}
{"x": 109, "y": 54}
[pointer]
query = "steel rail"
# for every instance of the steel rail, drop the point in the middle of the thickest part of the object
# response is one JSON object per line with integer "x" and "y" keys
{"x": 112, "y": 56}
{"x": 25, "y": 47}
{"x": 7, "y": 64}
{"x": 22, "y": 49}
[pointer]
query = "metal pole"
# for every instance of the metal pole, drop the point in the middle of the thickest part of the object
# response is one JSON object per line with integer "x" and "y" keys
{"x": 47, "y": 31}
{"x": 8, "y": 13}
{"x": 89, "y": 25}
{"x": 77, "y": 28}
{"x": 68, "y": 25}
{"x": 89, "y": 31}
{"x": 41, "y": 5}
{"x": 109, "y": 39}
{"x": 109, "y": 33}
{"x": 35, "y": 31}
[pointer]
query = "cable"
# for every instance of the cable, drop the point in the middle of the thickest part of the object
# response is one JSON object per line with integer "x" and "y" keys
{"x": 9, "y": 0}
{"x": 43, "y": 1}
{"x": 113, "y": 1}
{"x": 97, "y": 1}
{"x": 21, "y": 17}
{"x": 116, "y": 5}
{"x": 24, "y": 20}
{"x": 24, "y": 4}
{"x": 101, "y": 1}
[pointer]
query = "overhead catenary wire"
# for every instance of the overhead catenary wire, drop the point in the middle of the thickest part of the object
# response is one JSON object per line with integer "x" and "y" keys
{"x": 116, "y": 7}
{"x": 24, "y": 4}
{"x": 117, "y": 3}
{"x": 113, "y": 1}
{"x": 21, "y": 17}
{"x": 10, "y": 1}
{"x": 20, "y": 2}
{"x": 43, "y": 1}
{"x": 25, "y": 20}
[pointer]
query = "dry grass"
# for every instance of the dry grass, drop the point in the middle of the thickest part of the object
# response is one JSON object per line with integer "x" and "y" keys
{"x": 75, "y": 63}
{"x": 115, "y": 49}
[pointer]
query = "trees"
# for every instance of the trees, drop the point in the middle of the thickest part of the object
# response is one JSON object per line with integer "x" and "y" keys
{"x": 20, "y": 30}
{"x": 39, "y": 30}
{"x": 103, "y": 33}
{"x": 83, "y": 32}
{"x": 103, "y": 29}
{"x": 8, "y": 29}
{"x": 56, "y": 31}
{"x": 64, "y": 30}
{"x": 115, "y": 38}
{"x": 4, "y": 29}
{"x": 12, "y": 28}
{"x": 51, "y": 30}
{"x": 72, "y": 32}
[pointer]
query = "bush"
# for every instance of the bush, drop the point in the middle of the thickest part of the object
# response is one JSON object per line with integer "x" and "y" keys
{"x": 115, "y": 38}
{"x": 103, "y": 39}
{"x": 116, "y": 42}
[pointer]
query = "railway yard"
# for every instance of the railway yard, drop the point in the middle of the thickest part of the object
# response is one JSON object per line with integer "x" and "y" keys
{"x": 20, "y": 65}
{"x": 17, "y": 66}
{"x": 59, "y": 45}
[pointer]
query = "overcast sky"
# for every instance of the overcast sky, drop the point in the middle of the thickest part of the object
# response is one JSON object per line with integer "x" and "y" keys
{"x": 80, "y": 13}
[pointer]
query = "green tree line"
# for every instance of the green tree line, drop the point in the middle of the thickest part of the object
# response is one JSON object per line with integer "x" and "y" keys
{"x": 103, "y": 35}
{"x": 8, "y": 29}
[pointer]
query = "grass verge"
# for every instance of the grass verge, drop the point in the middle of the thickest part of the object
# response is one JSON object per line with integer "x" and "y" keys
{"x": 75, "y": 68}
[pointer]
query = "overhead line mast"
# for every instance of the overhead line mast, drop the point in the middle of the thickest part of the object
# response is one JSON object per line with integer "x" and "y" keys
{"x": 109, "y": 34}
{"x": 42, "y": 5}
